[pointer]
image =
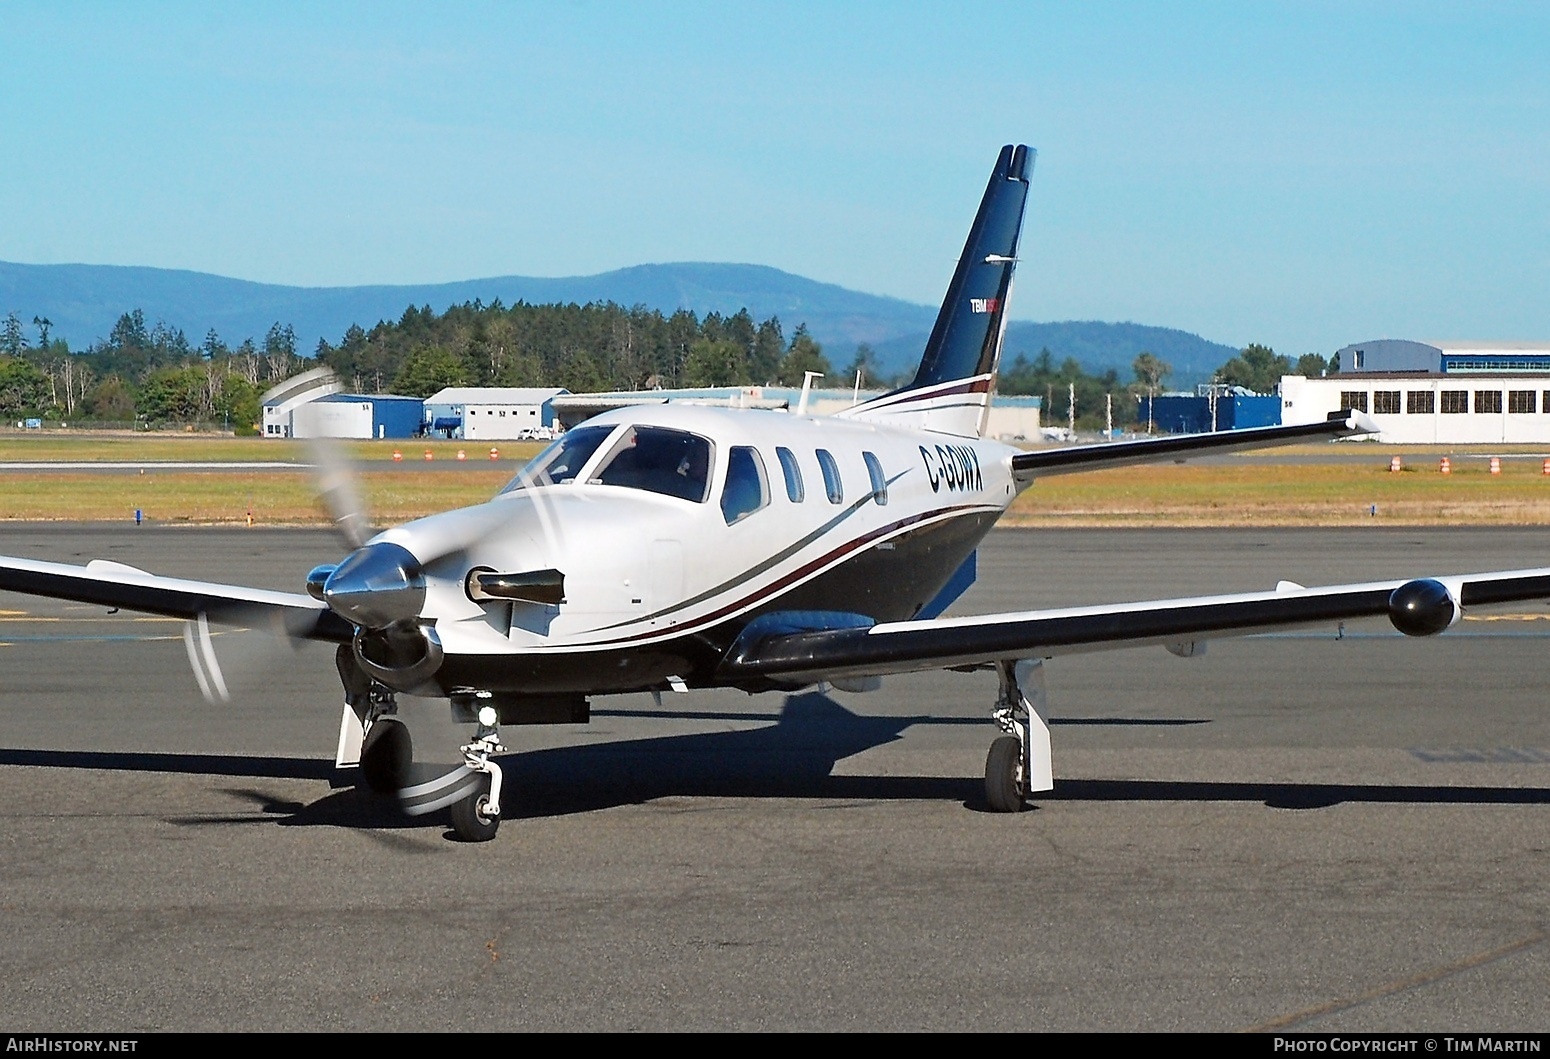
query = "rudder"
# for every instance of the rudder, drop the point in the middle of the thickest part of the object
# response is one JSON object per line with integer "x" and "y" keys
{"x": 951, "y": 390}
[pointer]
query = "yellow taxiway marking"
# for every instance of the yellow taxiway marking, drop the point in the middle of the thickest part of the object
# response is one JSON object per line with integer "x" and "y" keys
{"x": 1507, "y": 617}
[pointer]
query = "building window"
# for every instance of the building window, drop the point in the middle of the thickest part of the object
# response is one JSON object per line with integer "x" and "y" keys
{"x": 1488, "y": 401}
{"x": 1545, "y": 405}
{"x": 1353, "y": 400}
{"x": 1358, "y": 357}
{"x": 1420, "y": 402}
{"x": 1521, "y": 401}
{"x": 1455, "y": 402}
{"x": 1385, "y": 402}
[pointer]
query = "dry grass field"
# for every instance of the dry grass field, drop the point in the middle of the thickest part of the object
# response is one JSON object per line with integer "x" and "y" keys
{"x": 1245, "y": 491}
{"x": 1307, "y": 486}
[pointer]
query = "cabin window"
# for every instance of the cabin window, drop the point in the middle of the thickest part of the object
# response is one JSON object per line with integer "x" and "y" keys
{"x": 747, "y": 490}
{"x": 561, "y": 461}
{"x": 793, "y": 472}
{"x": 831, "y": 477}
{"x": 659, "y": 460}
{"x": 874, "y": 470}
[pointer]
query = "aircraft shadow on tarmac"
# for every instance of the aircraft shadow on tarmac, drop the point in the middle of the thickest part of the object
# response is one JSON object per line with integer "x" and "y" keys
{"x": 794, "y": 757}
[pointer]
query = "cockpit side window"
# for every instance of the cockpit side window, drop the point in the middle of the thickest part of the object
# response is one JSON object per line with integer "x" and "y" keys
{"x": 561, "y": 461}
{"x": 793, "y": 472}
{"x": 874, "y": 470}
{"x": 659, "y": 460}
{"x": 831, "y": 477}
{"x": 747, "y": 490}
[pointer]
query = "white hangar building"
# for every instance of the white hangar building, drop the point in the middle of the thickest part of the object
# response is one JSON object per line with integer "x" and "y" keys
{"x": 281, "y": 403}
{"x": 492, "y": 413}
{"x": 1434, "y": 392}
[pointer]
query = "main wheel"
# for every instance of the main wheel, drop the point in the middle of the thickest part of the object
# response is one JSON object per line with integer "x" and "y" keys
{"x": 1004, "y": 775}
{"x": 471, "y": 820}
{"x": 386, "y": 755}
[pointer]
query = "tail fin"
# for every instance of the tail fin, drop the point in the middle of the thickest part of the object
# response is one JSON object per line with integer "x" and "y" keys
{"x": 951, "y": 389}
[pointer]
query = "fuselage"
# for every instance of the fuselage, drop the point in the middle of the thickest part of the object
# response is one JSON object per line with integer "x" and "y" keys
{"x": 676, "y": 526}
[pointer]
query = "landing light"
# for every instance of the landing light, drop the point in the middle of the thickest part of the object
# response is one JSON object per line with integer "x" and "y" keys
{"x": 488, "y": 716}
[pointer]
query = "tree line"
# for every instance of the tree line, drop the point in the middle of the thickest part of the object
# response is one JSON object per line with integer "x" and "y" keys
{"x": 153, "y": 375}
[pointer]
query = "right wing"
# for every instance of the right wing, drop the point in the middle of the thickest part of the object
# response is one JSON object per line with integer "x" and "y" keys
{"x": 116, "y": 585}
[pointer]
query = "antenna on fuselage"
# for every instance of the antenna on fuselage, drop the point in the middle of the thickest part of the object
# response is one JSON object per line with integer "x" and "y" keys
{"x": 807, "y": 387}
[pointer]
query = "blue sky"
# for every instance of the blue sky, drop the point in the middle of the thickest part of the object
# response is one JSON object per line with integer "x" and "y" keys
{"x": 1301, "y": 174}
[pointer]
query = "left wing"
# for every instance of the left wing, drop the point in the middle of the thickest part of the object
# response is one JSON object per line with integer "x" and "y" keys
{"x": 113, "y": 584}
{"x": 1040, "y": 463}
{"x": 1420, "y": 607}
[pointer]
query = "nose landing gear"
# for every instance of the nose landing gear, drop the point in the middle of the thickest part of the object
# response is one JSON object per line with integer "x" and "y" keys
{"x": 477, "y": 815}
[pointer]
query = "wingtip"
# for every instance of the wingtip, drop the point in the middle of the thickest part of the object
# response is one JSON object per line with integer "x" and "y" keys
{"x": 1361, "y": 423}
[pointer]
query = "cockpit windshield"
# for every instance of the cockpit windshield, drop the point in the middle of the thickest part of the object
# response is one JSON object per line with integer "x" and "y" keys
{"x": 659, "y": 460}
{"x": 561, "y": 461}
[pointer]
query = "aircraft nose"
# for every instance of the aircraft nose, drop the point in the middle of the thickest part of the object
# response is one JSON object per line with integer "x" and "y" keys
{"x": 377, "y": 586}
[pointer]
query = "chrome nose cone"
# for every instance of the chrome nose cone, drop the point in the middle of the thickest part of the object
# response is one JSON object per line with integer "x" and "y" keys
{"x": 376, "y": 586}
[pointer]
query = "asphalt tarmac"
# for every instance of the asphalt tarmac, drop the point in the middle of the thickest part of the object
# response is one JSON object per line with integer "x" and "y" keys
{"x": 1297, "y": 832}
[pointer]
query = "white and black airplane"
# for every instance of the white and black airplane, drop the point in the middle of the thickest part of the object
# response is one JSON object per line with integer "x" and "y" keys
{"x": 669, "y": 547}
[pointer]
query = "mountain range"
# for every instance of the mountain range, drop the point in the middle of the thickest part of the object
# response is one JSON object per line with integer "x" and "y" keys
{"x": 82, "y": 302}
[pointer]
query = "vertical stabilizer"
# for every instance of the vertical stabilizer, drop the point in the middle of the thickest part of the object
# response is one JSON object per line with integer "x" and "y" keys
{"x": 951, "y": 389}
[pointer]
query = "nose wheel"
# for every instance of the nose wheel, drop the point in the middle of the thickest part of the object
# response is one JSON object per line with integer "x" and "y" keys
{"x": 477, "y": 815}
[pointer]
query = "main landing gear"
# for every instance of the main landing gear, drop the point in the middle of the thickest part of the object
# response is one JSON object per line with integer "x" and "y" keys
{"x": 1019, "y": 762}
{"x": 370, "y": 737}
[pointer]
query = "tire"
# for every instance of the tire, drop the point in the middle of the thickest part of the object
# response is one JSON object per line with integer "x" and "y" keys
{"x": 386, "y": 756}
{"x": 1004, "y": 775}
{"x": 469, "y": 821}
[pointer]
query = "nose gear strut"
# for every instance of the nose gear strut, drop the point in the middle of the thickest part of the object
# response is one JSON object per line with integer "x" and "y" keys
{"x": 477, "y": 816}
